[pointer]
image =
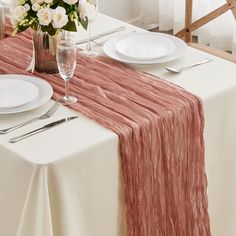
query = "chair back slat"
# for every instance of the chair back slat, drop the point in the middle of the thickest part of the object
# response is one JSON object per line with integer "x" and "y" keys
{"x": 190, "y": 26}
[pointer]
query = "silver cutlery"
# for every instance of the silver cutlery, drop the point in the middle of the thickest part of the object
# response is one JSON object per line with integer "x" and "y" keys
{"x": 178, "y": 70}
{"x": 46, "y": 115}
{"x": 99, "y": 43}
{"x": 41, "y": 129}
{"x": 102, "y": 35}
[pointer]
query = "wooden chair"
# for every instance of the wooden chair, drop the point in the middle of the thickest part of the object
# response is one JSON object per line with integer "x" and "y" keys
{"x": 186, "y": 32}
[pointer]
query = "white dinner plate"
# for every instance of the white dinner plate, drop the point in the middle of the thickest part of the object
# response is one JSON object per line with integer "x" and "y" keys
{"x": 180, "y": 47}
{"x": 16, "y": 92}
{"x": 144, "y": 46}
{"x": 45, "y": 92}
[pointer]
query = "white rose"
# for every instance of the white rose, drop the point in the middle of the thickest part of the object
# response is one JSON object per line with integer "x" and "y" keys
{"x": 27, "y": 7}
{"x": 70, "y": 2}
{"x": 19, "y": 13}
{"x": 44, "y": 16}
{"x": 59, "y": 17}
{"x": 48, "y": 1}
{"x": 39, "y": 1}
{"x": 35, "y": 7}
{"x": 87, "y": 10}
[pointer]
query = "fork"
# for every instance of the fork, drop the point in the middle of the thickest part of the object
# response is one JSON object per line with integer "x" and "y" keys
{"x": 46, "y": 115}
{"x": 189, "y": 66}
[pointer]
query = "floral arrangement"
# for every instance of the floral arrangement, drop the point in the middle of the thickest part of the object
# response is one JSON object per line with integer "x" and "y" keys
{"x": 51, "y": 16}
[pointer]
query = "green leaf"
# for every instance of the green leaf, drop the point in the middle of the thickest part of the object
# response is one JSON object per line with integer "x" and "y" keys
{"x": 51, "y": 31}
{"x": 84, "y": 22}
{"x": 70, "y": 26}
{"x": 34, "y": 27}
{"x": 44, "y": 28}
{"x": 60, "y": 4}
{"x": 21, "y": 28}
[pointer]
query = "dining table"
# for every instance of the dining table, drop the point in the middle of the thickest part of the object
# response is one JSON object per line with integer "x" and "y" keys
{"x": 67, "y": 181}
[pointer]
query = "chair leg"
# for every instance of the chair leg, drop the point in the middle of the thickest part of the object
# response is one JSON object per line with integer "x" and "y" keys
{"x": 188, "y": 20}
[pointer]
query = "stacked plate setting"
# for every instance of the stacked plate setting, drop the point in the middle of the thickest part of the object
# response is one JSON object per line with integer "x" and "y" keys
{"x": 145, "y": 48}
{"x": 20, "y": 93}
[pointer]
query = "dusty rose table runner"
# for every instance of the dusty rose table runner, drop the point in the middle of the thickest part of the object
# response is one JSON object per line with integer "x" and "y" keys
{"x": 160, "y": 129}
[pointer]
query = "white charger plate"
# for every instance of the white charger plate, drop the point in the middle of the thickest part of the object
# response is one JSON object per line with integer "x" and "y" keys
{"x": 16, "y": 92}
{"x": 144, "y": 46}
{"x": 45, "y": 92}
{"x": 180, "y": 47}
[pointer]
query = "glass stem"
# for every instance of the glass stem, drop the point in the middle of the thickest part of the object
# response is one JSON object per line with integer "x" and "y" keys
{"x": 89, "y": 34}
{"x": 67, "y": 88}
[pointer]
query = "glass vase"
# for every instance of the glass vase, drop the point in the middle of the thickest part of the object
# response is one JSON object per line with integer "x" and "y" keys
{"x": 45, "y": 52}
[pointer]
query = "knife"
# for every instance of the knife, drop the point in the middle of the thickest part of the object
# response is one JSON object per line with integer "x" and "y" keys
{"x": 101, "y": 35}
{"x": 43, "y": 128}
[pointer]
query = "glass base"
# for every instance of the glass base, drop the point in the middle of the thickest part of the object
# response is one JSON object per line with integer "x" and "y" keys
{"x": 67, "y": 100}
{"x": 89, "y": 53}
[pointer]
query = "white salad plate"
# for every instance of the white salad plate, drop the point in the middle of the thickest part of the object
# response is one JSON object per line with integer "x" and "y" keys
{"x": 110, "y": 50}
{"x": 44, "y": 89}
{"x": 144, "y": 46}
{"x": 15, "y": 92}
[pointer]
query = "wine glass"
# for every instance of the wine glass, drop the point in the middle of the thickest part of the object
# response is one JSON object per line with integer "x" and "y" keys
{"x": 66, "y": 62}
{"x": 91, "y": 14}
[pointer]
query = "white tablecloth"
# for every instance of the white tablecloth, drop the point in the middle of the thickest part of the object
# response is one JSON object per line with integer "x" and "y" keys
{"x": 66, "y": 181}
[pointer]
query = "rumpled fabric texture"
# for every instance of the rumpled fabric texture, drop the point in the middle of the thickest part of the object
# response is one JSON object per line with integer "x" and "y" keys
{"x": 160, "y": 129}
